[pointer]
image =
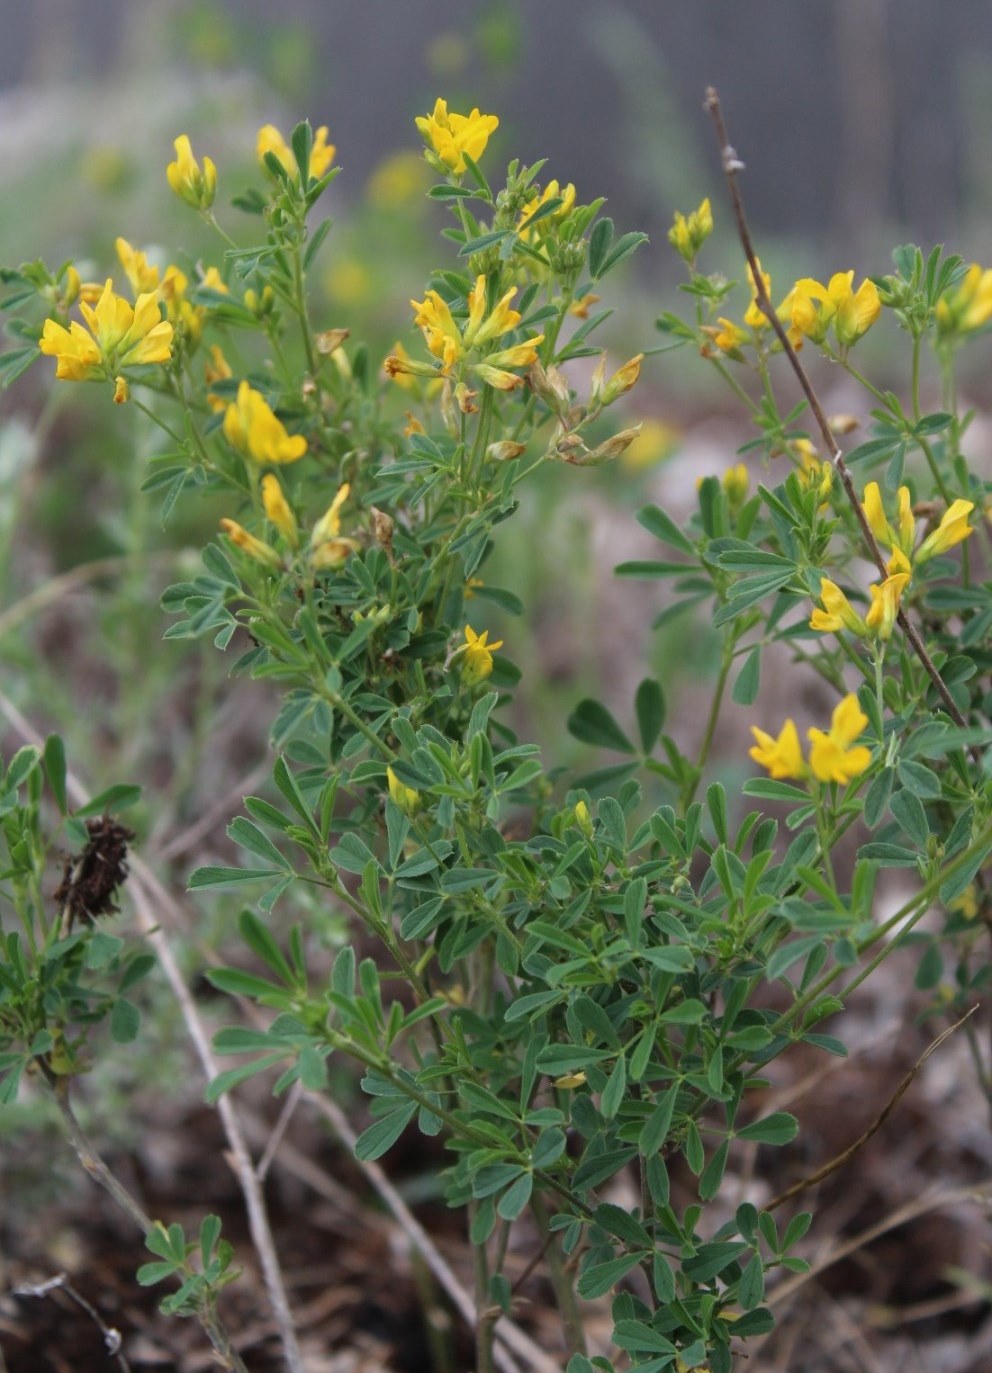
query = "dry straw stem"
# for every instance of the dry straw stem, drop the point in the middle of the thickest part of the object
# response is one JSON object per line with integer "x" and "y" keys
{"x": 61, "y": 1283}
{"x": 731, "y": 166}
{"x": 887, "y": 1109}
{"x": 148, "y": 895}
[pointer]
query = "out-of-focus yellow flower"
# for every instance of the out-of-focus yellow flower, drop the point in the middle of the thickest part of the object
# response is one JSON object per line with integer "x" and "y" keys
{"x": 181, "y": 311}
{"x": 832, "y": 757}
{"x": 217, "y": 369}
{"x": 953, "y": 529}
{"x": 277, "y": 508}
{"x": 407, "y": 798}
{"x": 142, "y": 275}
{"x": 783, "y": 757}
{"x": 213, "y": 281}
{"x": 348, "y": 281}
{"x": 505, "y": 450}
{"x": 120, "y": 335}
{"x": 966, "y": 905}
{"x": 570, "y": 1080}
{"x": 260, "y": 304}
{"x": 580, "y": 308}
{"x": 969, "y": 305}
{"x": 122, "y": 391}
{"x": 255, "y": 548}
{"x": 270, "y": 140}
{"x": 399, "y": 181}
{"x": 451, "y": 136}
{"x": 251, "y": 427}
{"x": 689, "y": 232}
{"x": 885, "y": 602}
{"x": 197, "y": 187}
{"x": 327, "y": 547}
{"x": 476, "y": 655}
{"x": 815, "y": 307}
{"x": 815, "y": 473}
{"x": 735, "y": 483}
{"x": 656, "y": 442}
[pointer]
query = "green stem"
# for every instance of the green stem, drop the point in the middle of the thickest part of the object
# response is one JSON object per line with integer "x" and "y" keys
{"x": 561, "y": 1281}
{"x": 726, "y": 660}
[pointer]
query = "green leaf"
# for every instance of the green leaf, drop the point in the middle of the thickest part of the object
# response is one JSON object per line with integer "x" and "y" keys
{"x": 117, "y": 797}
{"x": 15, "y": 363}
{"x": 778, "y": 1128}
{"x": 649, "y": 705}
{"x": 601, "y": 1277}
{"x": 224, "y": 878}
{"x": 908, "y": 810}
{"x": 23, "y": 763}
{"x": 613, "y": 1093}
{"x": 770, "y": 790}
{"x": 125, "y": 1021}
{"x": 655, "y": 1129}
{"x": 637, "y": 1337}
{"x": 383, "y": 1134}
{"x": 259, "y": 939}
{"x": 248, "y": 836}
{"x": 663, "y": 527}
{"x": 302, "y": 143}
{"x": 54, "y": 760}
{"x": 516, "y": 1197}
{"x": 592, "y": 723}
{"x": 751, "y": 1289}
{"x": 745, "y": 691}
{"x": 919, "y": 779}
{"x": 599, "y": 242}
{"x": 223, "y": 1082}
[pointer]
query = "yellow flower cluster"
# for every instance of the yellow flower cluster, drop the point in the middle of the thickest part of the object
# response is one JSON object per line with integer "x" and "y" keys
{"x": 809, "y": 311}
{"x": 450, "y": 136}
{"x": 689, "y": 232}
{"x": 834, "y": 755}
{"x": 953, "y": 527}
{"x": 451, "y": 345}
{"x": 476, "y": 656}
{"x": 969, "y": 305}
{"x": 117, "y": 335}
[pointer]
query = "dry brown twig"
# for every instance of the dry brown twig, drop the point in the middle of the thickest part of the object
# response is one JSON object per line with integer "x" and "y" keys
{"x": 731, "y": 166}
{"x": 845, "y": 1155}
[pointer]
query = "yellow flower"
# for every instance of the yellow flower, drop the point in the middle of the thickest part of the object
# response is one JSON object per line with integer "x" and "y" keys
{"x": 902, "y": 540}
{"x": 754, "y": 316}
{"x": 119, "y": 336}
{"x": 729, "y": 338}
{"x": 252, "y": 428}
{"x": 837, "y": 612}
{"x": 197, "y": 187}
{"x": 476, "y": 655}
{"x": 815, "y": 307}
{"x": 329, "y": 524}
{"x": 580, "y": 308}
{"x": 735, "y": 484}
{"x": 832, "y": 757}
{"x": 814, "y": 472}
{"x": 552, "y": 191}
{"x": 270, "y": 140}
{"x": 217, "y": 369}
{"x": 953, "y": 529}
{"x": 450, "y": 344}
{"x": 181, "y": 311}
{"x": 277, "y": 508}
{"x": 969, "y": 305}
{"x": 451, "y": 136}
{"x": 885, "y": 601}
{"x": 783, "y": 756}
{"x": 255, "y": 548}
{"x": 139, "y": 272}
{"x": 689, "y": 232}
{"x": 213, "y": 281}
{"x": 602, "y": 392}
{"x": 407, "y": 798}
{"x": 327, "y": 547}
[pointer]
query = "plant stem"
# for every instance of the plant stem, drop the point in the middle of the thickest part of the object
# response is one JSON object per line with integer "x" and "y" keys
{"x": 575, "y": 1337}
{"x": 731, "y": 166}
